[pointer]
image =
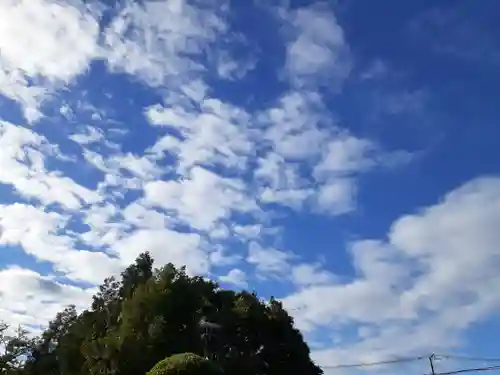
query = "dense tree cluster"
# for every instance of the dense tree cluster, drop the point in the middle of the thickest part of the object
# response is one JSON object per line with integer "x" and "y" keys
{"x": 150, "y": 314}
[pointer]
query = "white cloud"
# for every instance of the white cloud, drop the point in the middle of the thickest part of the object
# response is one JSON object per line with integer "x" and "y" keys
{"x": 345, "y": 154}
{"x": 220, "y": 232}
{"x": 311, "y": 274}
{"x": 39, "y": 233}
{"x": 142, "y": 229}
{"x": 28, "y": 298}
{"x": 231, "y": 69}
{"x": 236, "y": 277}
{"x": 293, "y": 125}
{"x": 273, "y": 171}
{"x": 91, "y": 135}
{"x": 165, "y": 246}
{"x": 57, "y": 46}
{"x": 22, "y": 165}
{"x": 139, "y": 166}
{"x": 336, "y": 196}
{"x": 268, "y": 261}
{"x": 123, "y": 172}
{"x": 213, "y": 132}
{"x": 103, "y": 227}
{"x": 304, "y": 151}
{"x": 142, "y": 217}
{"x": 15, "y": 86}
{"x": 293, "y": 198}
{"x": 317, "y": 53}
{"x": 224, "y": 257}
{"x": 156, "y": 41}
{"x": 200, "y": 200}
{"x": 313, "y": 162}
{"x": 248, "y": 231}
{"x": 436, "y": 275}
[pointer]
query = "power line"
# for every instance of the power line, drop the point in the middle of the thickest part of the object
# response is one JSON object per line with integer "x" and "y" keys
{"x": 478, "y": 369}
{"x": 412, "y": 359}
{"x": 369, "y": 364}
{"x": 467, "y": 358}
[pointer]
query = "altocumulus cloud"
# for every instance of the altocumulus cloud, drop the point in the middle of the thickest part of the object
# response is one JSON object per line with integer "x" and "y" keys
{"x": 128, "y": 129}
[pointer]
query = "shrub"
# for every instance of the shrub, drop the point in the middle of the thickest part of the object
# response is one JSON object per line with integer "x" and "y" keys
{"x": 185, "y": 364}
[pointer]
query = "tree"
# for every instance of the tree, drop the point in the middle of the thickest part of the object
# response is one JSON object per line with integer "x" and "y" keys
{"x": 13, "y": 348}
{"x": 147, "y": 315}
{"x": 185, "y": 364}
{"x": 57, "y": 348}
{"x": 135, "y": 274}
{"x": 288, "y": 353}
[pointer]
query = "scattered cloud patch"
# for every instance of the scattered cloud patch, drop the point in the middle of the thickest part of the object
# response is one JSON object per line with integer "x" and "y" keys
{"x": 311, "y": 274}
{"x": 425, "y": 281}
{"x": 159, "y": 41}
{"x": 268, "y": 261}
{"x": 35, "y": 293}
{"x": 317, "y": 52}
{"x": 188, "y": 198}
{"x": 57, "y": 47}
{"x": 236, "y": 277}
{"x": 22, "y": 160}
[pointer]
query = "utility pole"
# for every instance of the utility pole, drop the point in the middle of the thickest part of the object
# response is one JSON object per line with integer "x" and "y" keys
{"x": 209, "y": 332}
{"x": 431, "y": 362}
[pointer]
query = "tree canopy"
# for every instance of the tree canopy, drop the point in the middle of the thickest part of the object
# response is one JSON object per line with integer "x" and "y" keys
{"x": 185, "y": 364}
{"x": 149, "y": 314}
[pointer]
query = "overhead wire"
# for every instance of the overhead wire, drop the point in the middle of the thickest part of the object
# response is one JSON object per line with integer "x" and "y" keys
{"x": 418, "y": 358}
{"x": 378, "y": 363}
{"x": 478, "y": 369}
{"x": 467, "y": 358}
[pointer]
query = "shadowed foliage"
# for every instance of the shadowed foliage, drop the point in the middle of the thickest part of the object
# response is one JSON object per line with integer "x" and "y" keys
{"x": 150, "y": 314}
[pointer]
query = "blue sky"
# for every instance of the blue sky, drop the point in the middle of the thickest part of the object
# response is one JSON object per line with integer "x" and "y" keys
{"x": 342, "y": 156}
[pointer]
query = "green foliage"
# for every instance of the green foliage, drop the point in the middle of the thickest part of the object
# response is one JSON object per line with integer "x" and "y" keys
{"x": 14, "y": 345}
{"x": 148, "y": 315}
{"x": 185, "y": 364}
